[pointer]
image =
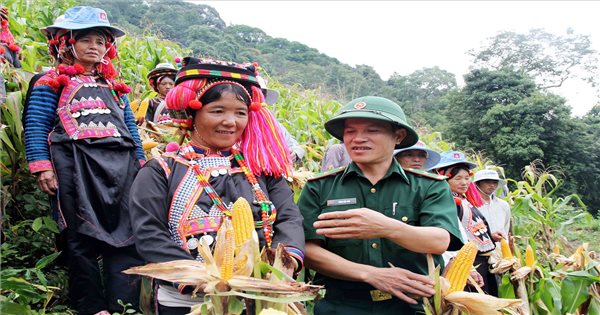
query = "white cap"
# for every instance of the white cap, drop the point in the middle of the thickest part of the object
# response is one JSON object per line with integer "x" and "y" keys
{"x": 488, "y": 174}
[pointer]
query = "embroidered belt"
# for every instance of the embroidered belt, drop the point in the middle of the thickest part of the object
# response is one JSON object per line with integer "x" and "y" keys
{"x": 201, "y": 225}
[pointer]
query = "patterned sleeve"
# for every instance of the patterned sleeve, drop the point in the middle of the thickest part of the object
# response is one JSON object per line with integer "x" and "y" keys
{"x": 39, "y": 121}
{"x": 130, "y": 122}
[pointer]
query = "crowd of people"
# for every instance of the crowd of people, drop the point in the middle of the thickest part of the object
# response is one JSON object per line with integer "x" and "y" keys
{"x": 365, "y": 224}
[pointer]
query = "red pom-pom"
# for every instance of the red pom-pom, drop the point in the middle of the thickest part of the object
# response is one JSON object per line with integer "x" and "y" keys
{"x": 63, "y": 79}
{"x": 53, "y": 83}
{"x": 71, "y": 71}
{"x": 79, "y": 68}
{"x": 255, "y": 106}
{"x": 61, "y": 68}
{"x": 457, "y": 201}
{"x": 108, "y": 70}
{"x": 111, "y": 53}
{"x": 14, "y": 47}
{"x": 53, "y": 42}
{"x": 4, "y": 23}
{"x": 195, "y": 104}
{"x": 71, "y": 40}
{"x": 122, "y": 88}
{"x": 177, "y": 59}
{"x": 2, "y": 50}
{"x": 172, "y": 147}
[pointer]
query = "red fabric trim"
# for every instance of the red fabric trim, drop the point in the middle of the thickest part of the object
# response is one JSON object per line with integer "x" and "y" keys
{"x": 40, "y": 166}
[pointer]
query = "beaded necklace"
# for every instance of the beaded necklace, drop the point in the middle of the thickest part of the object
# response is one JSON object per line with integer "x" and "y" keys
{"x": 268, "y": 210}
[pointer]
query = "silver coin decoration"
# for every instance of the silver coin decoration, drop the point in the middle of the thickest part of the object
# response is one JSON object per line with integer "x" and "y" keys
{"x": 192, "y": 243}
{"x": 208, "y": 239}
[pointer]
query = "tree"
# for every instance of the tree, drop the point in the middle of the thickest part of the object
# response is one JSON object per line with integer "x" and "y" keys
{"x": 550, "y": 59}
{"x": 483, "y": 90}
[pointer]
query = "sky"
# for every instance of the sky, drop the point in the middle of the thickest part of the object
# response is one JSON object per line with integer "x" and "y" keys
{"x": 404, "y": 36}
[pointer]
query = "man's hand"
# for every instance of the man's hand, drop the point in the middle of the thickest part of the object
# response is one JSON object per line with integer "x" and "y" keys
{"x": 402, "y": 283}
{"x": 361, "y": 223}
{"x": 47, "y": 182}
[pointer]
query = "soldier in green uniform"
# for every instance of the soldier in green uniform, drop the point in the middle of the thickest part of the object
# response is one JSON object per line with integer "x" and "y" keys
{"x": 370, "y": 225}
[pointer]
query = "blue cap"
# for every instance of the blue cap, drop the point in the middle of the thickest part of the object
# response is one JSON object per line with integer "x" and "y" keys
{"x": 451, "y": 158}
{"x": 82, "y": 17}
{"x": 432, "y": 156}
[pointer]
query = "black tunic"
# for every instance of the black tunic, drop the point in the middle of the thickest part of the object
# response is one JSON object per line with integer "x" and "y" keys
{"x": 152, "y": 195}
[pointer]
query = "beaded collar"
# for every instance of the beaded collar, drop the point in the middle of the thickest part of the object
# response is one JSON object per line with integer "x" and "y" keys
{"x": 268, "y": 211}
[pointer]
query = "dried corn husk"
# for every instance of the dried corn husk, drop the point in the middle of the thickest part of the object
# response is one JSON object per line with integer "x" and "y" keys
{"x": 521, "y": 273}
{"x": 480, "y": 304}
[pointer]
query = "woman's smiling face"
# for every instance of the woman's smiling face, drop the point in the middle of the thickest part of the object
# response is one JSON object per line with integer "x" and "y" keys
{"x": 219, "y": 124}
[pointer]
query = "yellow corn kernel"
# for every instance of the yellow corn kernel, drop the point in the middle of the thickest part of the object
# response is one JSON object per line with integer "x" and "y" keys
{"x": 461, "y": 267}
{"x": 556, "y": 249}
{"x": 227, "y": 265}
{"x": 529, "y": 258}
{"x": 243, "y": 221}
{"x": 506, "y": 253}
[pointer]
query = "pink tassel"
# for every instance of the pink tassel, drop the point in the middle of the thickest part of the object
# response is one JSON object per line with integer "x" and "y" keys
{"x": 473, "y": 195}
{"x": 182, "y": 94}
{"x": 172, "y": 147}
{"x": 263, "y": 144}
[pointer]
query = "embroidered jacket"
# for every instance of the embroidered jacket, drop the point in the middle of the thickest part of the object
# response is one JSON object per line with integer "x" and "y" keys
{"x": 170, "y": 208}
{"x": 85, "y": 110}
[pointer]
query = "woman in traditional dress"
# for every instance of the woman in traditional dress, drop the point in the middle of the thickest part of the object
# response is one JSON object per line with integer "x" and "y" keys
{"x": 236, "y": 149}
{"x": 83, "y": 146}
{"x": 457, "y": 169}
{"x": 162, "y": 80}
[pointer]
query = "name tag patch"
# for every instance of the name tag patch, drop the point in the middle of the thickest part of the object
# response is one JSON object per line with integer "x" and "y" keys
{"x": 341, "y": 202}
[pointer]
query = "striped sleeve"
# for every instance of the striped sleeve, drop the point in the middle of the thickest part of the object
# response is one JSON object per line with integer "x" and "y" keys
{"x": 132, "y": 127}
{"x": 39, "y": 121}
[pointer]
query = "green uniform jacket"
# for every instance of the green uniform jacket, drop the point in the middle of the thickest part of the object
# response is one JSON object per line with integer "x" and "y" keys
{"x": 414, "y": 197}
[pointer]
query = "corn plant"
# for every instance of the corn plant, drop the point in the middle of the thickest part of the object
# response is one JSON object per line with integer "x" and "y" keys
{"x": 538, "y": 213}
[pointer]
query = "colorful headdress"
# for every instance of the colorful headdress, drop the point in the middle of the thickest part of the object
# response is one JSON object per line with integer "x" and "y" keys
{"x": 159, "y": 72}
{"x": 262, "y": 143}
{"x": 61, "y": 36}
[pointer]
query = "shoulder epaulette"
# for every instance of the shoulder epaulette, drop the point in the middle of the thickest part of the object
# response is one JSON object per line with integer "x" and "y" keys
{"x": 327, "y": 173}
{"x": 425, "y": 173}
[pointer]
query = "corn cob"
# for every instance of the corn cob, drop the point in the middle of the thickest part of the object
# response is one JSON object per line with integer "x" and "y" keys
{"x": 529, "y": 259}
{"x": 227, "y": 265}
{"x": 461, "y": 267}
{"x": 149, "y": 144}
{"x": 506, "y": 253}
{"x": 243, "y": 221}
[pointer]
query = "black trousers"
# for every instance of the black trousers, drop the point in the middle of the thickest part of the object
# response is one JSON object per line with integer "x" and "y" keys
{"x": 96, "y": 282}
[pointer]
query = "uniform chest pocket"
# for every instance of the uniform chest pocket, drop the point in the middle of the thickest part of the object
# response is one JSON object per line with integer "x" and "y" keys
{"x": 405, "y": 214}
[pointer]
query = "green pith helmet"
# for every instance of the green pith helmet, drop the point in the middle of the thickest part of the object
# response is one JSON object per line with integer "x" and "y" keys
{"x": 372, "y": 107}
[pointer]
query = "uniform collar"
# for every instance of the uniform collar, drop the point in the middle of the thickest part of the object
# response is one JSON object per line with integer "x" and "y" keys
{"x": 394, "y": 170}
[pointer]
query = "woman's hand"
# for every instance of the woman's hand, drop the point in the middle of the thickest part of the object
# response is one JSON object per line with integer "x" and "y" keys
{"x": 497, "y": 236}
{"x": 477, "y": 277}
{"x": 404, "y": 284}
{"x": 47, "y": 182}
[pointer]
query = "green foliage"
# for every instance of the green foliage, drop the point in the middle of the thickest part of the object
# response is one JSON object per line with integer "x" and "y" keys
{"x": 541, "y": 215}
{"x": 502, "y": 114}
